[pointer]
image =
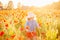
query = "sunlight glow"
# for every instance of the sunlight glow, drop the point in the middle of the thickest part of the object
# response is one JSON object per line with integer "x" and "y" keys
{"x": 37, "y": 3}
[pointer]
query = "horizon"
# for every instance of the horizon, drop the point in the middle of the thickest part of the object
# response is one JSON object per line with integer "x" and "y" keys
{"x": 37, "y": 3}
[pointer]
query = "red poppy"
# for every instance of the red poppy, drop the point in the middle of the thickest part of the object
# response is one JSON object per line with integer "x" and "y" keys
{"x": 15, "y": 21}
{"x": 29, "y": 34}
{"x": 1, "y": 33}
{"x": 21, "y": 29}
{"x": 6, "y": 25}
{"x": 43, "y": 33}
{"x": 34, "y": 34}
{"x": 4, "y": 20}
{"x": 12, "y": 36}
{"x": 27, "y": 27}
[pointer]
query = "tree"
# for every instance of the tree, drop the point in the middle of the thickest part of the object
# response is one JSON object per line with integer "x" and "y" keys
{"x": 10, "y": 5}
{"x": 1, "y": 6}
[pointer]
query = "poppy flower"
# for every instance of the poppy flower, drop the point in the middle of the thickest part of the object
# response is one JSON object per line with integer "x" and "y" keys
{"x": 1, "y": 33}
{"x": 21, "y": 29}
{"x": 43, "y": 34}
{"x": 34, "y": 34}
{"x": 4, "y": 20}
{"x": 15, "y": 21}
{"x": 29, "y": 34}
{"x": 27, "y": 27}
{"x": 12, "y": 36}
{"x": 6, "y": 25}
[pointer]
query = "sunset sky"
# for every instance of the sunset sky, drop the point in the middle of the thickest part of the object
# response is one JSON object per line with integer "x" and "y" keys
{"x": 37, "y": 3}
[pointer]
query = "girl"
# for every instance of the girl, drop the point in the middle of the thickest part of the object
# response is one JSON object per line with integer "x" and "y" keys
{"x": 31, "y": 25}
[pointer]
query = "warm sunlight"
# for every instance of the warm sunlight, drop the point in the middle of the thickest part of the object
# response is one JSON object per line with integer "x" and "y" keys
{"x": 29, "y": 19}
{"x": 30, "y": 2}
{"x": 38, "y": 2}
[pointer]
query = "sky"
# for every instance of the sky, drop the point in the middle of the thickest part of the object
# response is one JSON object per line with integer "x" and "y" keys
{"x": 37, "y": 3}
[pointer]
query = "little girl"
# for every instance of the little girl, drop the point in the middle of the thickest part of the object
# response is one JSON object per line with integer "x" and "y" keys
{"x": 31, "y": 25}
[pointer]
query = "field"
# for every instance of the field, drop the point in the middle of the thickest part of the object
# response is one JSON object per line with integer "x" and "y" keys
{"x": 12, "y": 24}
